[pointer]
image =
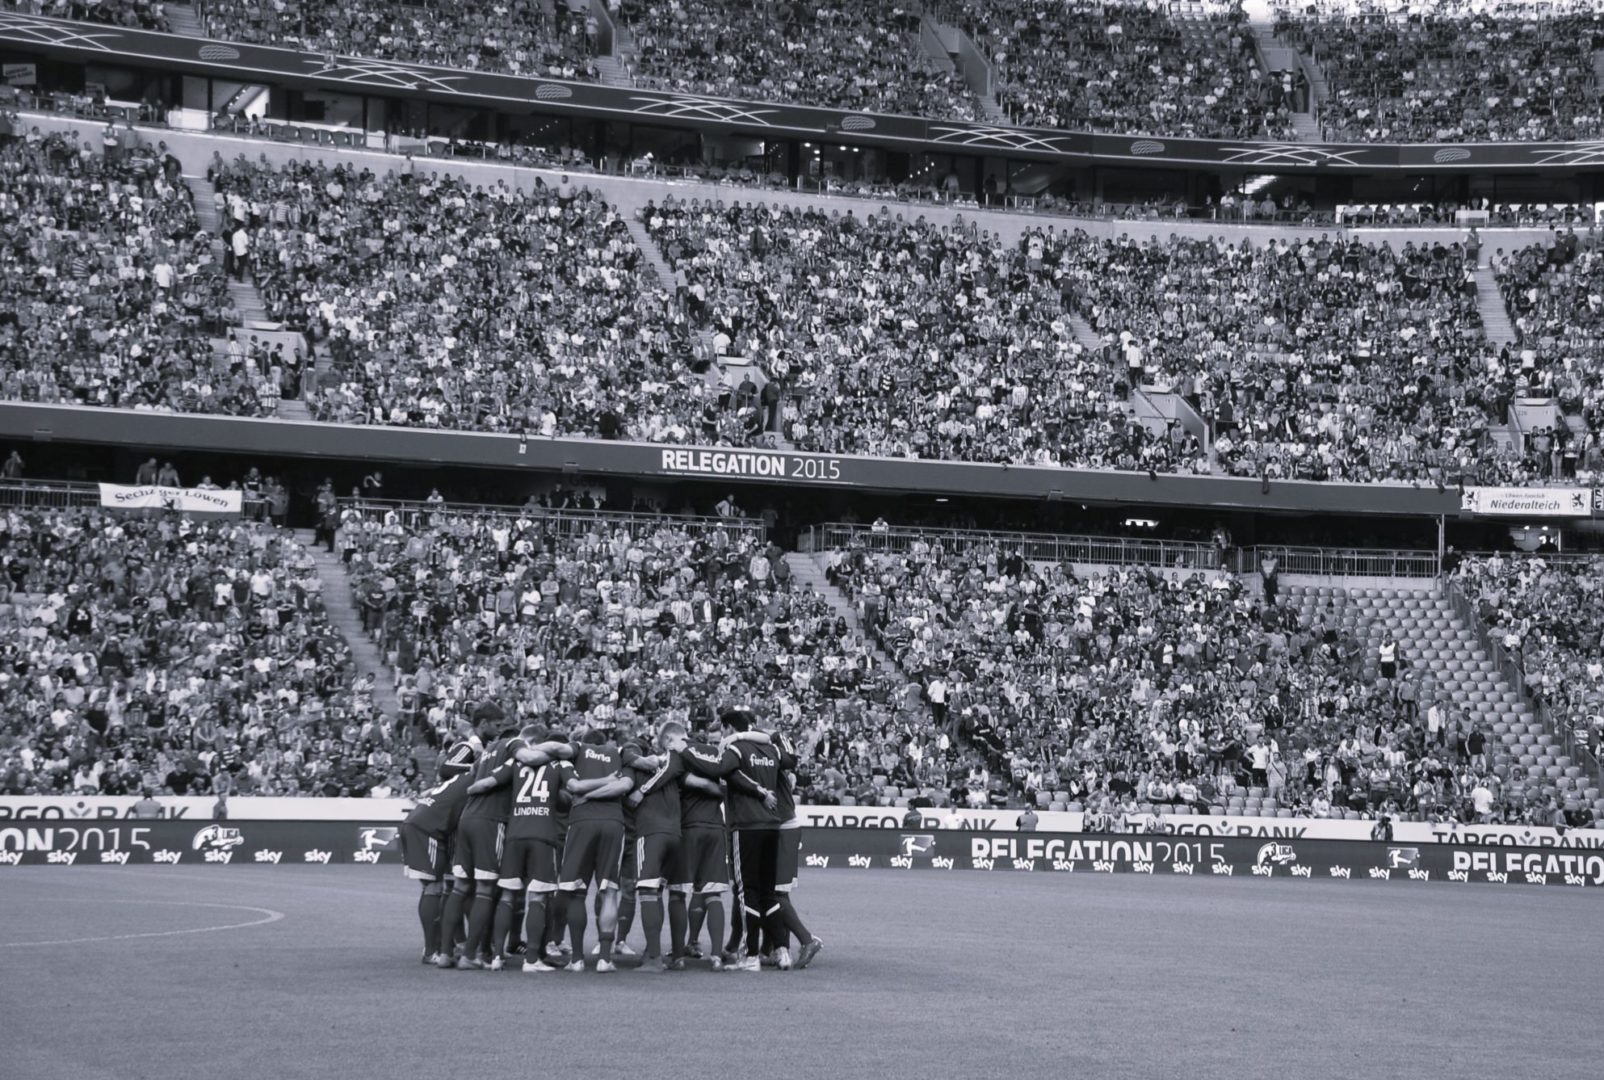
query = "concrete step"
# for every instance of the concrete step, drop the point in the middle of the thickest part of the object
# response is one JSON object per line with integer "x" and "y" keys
{"x": 1496, "y": 323}
{"x": 340, "y": 603}
{"x": 613, "y": 71}
{"x": 654, "y": 255}
{"x": 294, "y": 410}
{"x": 1084, "y": 332}
{"x": 184, "y": 20}
{"x": 1307, "y": 128}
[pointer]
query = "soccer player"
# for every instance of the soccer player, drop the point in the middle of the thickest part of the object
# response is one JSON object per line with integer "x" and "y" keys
{"x": 704, "y": 870}
{"x": 657, "y": 848}
{"x": 752, "y": 772}
{"x": 529, "y": 863}
{"x": 426, "y": 838}
{"x": 481, "y": 837}
{"x": 790, "y": 854}
{"x": 594, "y": 849}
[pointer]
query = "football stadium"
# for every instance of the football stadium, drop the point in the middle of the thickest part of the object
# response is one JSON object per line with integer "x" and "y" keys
{"x": 735, "y": 536}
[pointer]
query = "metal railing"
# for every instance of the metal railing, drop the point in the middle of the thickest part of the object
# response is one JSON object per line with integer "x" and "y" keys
{"x": 1340, "y": 562}
{"x": 1038, "y": 547}
{"x": 564, "y": 521}
{"x": 68, "y": 494}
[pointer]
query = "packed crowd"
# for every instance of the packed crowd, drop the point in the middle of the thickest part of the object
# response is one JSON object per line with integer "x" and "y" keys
{"x": 1555, "y": 297}
{"x": 1458, "y": 71}
{"x": 899, "y": 337}
{"x": 109, "y": 290}
{"x": 520, "y": 37}
{"x": 1547, "y": 616}
{"x": 1128, "y": 688}
{"x": 166, "y": 655}
{"x": 133, "y": 14}
{"x": 446, "y": 305}
{"x": 1093, "y": 65}
{"x": 842, "y": 56}
{"x": 626, "y": 623}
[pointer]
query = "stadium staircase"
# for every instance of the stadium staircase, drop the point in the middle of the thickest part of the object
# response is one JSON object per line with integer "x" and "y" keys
{"x": 1277, "y": 55}
{"x": 184, "y": 20}
{"x": 1084, "y": 333}
{"x": 1445, "y": 648}
{"x": 807, "y": 570}
{"x": 252, "y": 309}
{"x": 666, "y": 277}
{"x": 613, "y": 72}
{"x": 1495, "y": 320}
{"x": 341, "y": 604}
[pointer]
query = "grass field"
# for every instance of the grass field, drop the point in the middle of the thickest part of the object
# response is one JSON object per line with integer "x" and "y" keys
{"x": 285, "y": 972}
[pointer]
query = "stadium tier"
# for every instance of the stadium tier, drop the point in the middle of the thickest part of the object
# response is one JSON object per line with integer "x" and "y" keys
{"x": 923, "y": 668}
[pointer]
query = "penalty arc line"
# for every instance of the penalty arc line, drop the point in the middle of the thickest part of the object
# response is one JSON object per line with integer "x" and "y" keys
{"x": 269, "y": 916}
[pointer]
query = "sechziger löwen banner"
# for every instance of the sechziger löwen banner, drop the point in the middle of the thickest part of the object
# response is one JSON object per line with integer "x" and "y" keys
{"x": 326, "y": 843}
{"x": 184, "y": 500}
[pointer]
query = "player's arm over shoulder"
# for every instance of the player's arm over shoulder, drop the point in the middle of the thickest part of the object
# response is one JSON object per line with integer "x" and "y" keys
{"x": 711, "y": 762}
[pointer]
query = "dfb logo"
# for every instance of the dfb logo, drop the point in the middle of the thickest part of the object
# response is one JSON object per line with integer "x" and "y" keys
{"x": 217, "y": 838}
{"x": 1403, "y": 858}
{"x": 1271, "y": 855}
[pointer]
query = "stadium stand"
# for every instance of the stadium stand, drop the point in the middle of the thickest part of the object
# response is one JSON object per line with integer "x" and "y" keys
{"x": 1089, "y": 65}
{"x": 1453, "y": 71}
{"x": 520, "y": 37}
{"x": 179, "y": 656}
{"x": 135, "y": 14}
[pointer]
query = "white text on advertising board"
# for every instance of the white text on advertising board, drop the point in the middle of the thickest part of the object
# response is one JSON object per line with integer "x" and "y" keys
{"x": 769, "y": 466}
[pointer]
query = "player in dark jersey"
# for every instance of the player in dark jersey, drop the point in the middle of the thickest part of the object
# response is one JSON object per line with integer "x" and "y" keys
{"x": 529, "y": 863}
{"x": 426, "y": 838}
{"x": 790, "y": 856}
{"x": 594, "y": 849}
{"x": 704, "y": 871}
{"x": 751, "y": 771}
{"x": 656, "y": 799}
{"x": 481, "y": 836}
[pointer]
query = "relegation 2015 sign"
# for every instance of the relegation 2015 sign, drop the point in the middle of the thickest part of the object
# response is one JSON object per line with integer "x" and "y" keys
{"x": 764, "y": 464}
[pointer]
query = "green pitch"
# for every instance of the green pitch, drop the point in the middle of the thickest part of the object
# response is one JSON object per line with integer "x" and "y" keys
{"x": 288, "y": 972}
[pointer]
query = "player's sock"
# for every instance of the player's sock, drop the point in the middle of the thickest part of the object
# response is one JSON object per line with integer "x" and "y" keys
{"x": 626, "y": 913}
{"x": 715, "y": 920}
{"x": 676, "y": 924}
{"x": 556, "y": 918}
{"x": 697, "y": 913}
{"x": 451, "y": 915}
{"x": 479, "y": 918}
{"x": 577, "y": 918}
{"x": 773, "y": 924}
{"x": 429, "y": 905}
{"x": 651, "y": 917}
{"x": 792, "y": 921}
{"x": 501, "y": 928}
{"x": 535, "y": 928}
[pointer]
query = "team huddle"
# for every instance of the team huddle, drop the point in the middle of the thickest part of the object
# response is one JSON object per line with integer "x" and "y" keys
{"x": 525, "y": 822}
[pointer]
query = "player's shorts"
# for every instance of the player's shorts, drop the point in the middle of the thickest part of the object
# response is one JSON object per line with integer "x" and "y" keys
{"x": 529, "y": 863}
{"x": 657, "y": 860}
{"x": 477, "y": 856}
{"x": 704, "y": 862}
{"x": 424, "y": 853}
{"x": 790, "y": 859}
{"x": 594, "y": 850}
